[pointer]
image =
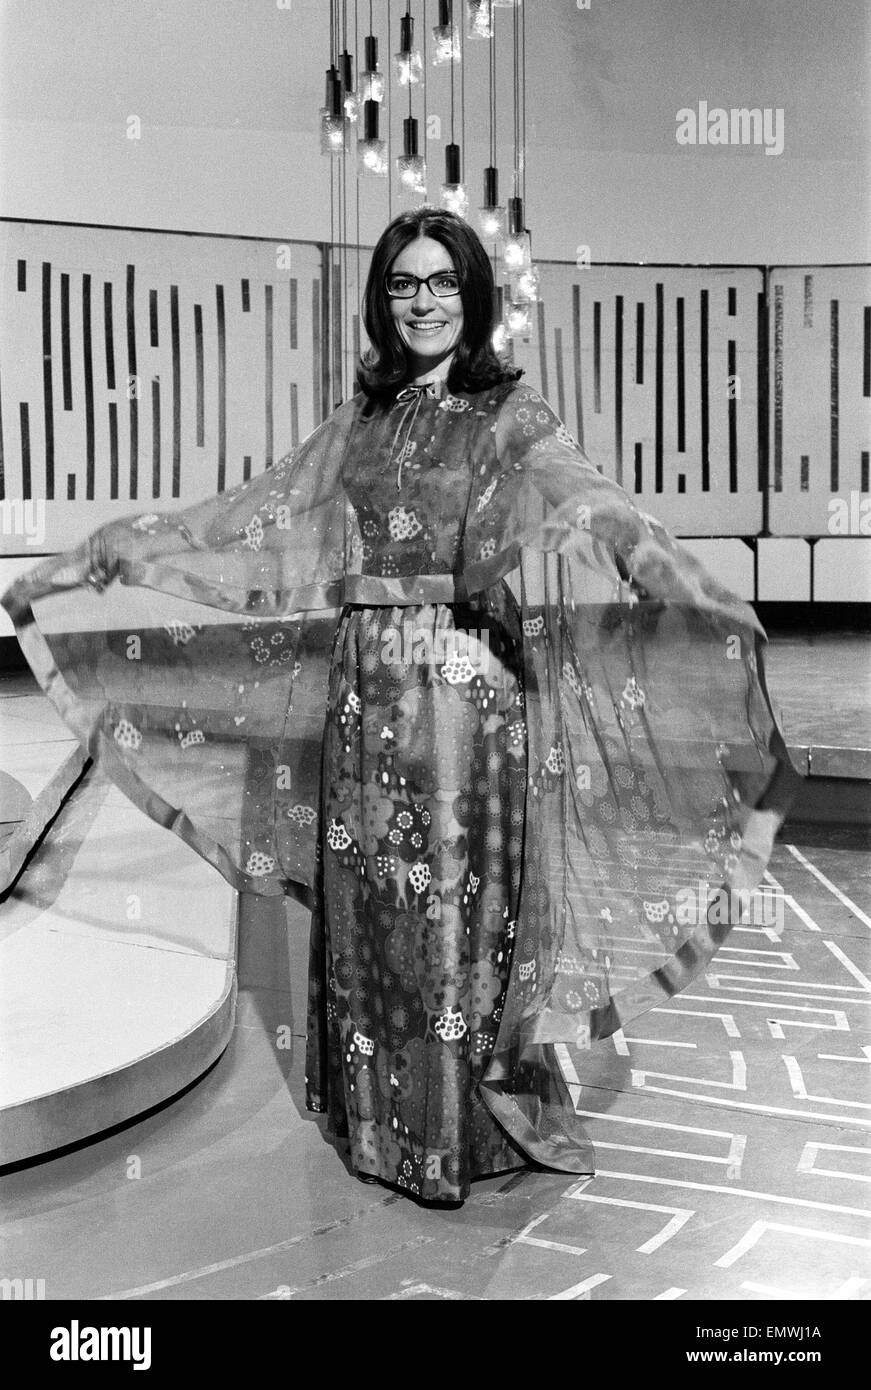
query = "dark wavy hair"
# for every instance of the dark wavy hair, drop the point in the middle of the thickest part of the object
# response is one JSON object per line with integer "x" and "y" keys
{"x": 385, "y": 366}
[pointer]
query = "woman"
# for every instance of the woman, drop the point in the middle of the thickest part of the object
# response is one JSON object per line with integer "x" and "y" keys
{"x": 549, "y": 774}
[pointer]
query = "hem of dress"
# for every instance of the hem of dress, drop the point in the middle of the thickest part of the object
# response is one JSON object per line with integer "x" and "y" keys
{"x": 571, "y": 1155}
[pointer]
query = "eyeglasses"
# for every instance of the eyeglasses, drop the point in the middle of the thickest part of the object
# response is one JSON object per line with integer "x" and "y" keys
{"x": 443, "y": 284}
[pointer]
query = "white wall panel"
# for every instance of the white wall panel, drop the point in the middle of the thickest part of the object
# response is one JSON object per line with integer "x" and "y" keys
{"x": 820, "y": 351}
{"x": 842, "y": 571}
{"x": 784, "y": 574}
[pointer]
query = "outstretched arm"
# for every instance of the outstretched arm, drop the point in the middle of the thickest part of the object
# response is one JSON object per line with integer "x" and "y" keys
{"x": 272, "y": 533}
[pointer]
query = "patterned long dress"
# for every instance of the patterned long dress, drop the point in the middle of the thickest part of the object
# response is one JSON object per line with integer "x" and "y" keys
{"x": 423, "y": 790}
{"x": 528, "y": 802}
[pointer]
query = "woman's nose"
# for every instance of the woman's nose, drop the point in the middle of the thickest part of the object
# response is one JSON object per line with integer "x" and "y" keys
{"x": 424, "y": 299}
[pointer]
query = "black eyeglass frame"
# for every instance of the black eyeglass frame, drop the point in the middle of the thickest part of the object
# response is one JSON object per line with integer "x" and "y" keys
{"x": 437, "y": 274}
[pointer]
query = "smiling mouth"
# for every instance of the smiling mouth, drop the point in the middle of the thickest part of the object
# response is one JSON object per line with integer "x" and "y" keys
{"x": 425, "y": 327}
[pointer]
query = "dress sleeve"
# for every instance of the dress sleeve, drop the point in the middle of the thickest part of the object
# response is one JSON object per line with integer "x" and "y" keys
{"x": 657, "y": 773}
{"x": 270, "y": 545}
{"x": 190, "y": 652}
{"x": 542, "y": 490}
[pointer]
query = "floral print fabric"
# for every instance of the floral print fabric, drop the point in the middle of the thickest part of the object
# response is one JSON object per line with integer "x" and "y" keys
{"x": 412, "y": 930}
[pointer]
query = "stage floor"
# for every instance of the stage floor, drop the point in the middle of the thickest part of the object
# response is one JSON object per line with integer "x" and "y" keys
{"x": 822, "y": 684}
{"x": 731, "y": 1130}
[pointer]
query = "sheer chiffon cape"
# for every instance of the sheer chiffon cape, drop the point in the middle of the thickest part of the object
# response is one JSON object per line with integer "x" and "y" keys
{"x": 189, "y": 651}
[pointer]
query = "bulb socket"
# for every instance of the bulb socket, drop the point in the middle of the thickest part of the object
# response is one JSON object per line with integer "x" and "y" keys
{"x": 370, "y": 120}
{"x": 334, "y": 99}
{"x": 409, "y": 135}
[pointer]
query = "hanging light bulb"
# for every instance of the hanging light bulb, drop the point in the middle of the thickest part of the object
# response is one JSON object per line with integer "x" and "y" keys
{"x": 407, "y": 63}
{"x": 455, "y": 198}
{"x": 332, "y": 133}
{"x": 479, "y": 19}
{"x": 516, "y": 254}
{"x": 333, "y": 126}
{"x": 492, "y": 222}
{"x": 518, "y": 320}
{"x": 491, "y": 217}
{"x": 522, "y": 275}
{"x": 410, "y": 165}
{"x": 523, "y": 285}
{"x": 446, "y": 36}
{"x": 371, "y": 79}
{"x": 350, "y": 100}
{"x": 500, "y": 339}
{"x": 371, "y": 152}
{"x": 454, "y": 195}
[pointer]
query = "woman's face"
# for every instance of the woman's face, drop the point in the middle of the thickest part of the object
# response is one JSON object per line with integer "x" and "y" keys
{"x": 431, "y": 327}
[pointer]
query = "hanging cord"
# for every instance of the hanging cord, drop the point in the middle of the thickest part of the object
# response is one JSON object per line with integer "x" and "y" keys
{"x": 493, "y": 136}
{"x": 453, "y": 64}
{"x": 523, "y": 103}
{"x": 327, "y": 289}
{"x": 332, "y": 211}
{"x": 423, "y": 59}
{"x": 345, "y": 172}
{"x": 517, "y": 98}
{"x": 493, "y": 101}
{"x": 389, "y": 123}
{"x": 408, "y": 16}
{"x": 357, "y": 179}
{"x": 462, "y": 89}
